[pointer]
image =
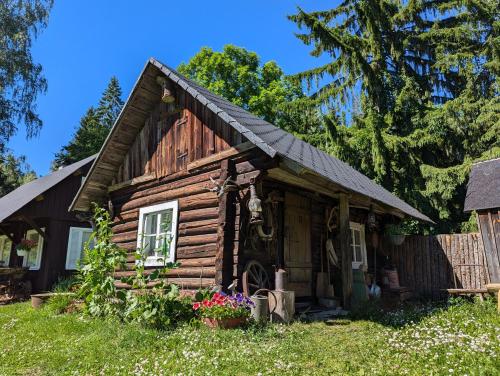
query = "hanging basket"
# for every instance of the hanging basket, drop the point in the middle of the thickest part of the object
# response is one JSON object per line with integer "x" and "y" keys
{"x": 22, "y": 252}
{"x": 397, "y": 239}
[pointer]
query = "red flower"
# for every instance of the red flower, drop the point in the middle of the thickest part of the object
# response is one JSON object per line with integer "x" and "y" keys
{"x": 196, "y": 306}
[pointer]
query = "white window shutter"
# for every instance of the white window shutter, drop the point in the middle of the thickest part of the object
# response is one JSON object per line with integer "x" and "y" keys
{"x": 74, "y": 248}
{"x": 34, "y": 258}
{"x": 5, "y": 248}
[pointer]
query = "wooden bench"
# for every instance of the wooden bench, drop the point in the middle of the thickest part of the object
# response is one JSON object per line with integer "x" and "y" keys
{"x": 459, "y": 292}
{"x": 495, "y": 288}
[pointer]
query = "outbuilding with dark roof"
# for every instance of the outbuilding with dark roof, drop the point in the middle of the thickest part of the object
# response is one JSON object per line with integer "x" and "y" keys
{"x": 38, "y": 211}
{"x": 483, "y": 196}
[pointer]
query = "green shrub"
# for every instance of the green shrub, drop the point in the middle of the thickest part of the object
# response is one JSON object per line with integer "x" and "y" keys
{"x": 96, "y": 275}
{"x": 157, "y": 308}
{"x": 151, "y": 302}
{"x": 59, "y": 303}
{"x": 65, "y": 284}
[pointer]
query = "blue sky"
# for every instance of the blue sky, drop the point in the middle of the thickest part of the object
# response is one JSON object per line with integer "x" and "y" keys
{"x": 87, "y": 42}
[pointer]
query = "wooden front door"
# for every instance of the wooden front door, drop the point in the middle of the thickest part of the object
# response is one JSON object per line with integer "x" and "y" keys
{"x": 298, "y": 244}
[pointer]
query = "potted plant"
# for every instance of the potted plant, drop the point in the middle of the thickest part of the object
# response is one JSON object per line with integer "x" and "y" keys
{"x": 224, "y": 311}
{"x": 395, "y": 234}
{"x": 25, "y": 246}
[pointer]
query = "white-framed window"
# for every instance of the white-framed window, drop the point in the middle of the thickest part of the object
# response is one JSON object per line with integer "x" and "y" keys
{"x": 358, "y": 245}
{"x": 77, "y": 238}
{"x": 5, "y": 248}
{"x": 34, "y": 257}
{"x": 157, "y": 233}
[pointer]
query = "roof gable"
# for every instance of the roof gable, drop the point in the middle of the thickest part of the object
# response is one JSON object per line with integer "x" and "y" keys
{"x": 23, "y": 195}
{"x": 269, "y": 138}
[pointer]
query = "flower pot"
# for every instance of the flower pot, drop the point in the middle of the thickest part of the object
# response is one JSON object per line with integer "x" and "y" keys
{"x": 22, "y": 252}
{"x": 224, "y": 323}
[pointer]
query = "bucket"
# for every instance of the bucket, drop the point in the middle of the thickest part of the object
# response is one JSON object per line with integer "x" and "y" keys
{"x": 260, "y": 310}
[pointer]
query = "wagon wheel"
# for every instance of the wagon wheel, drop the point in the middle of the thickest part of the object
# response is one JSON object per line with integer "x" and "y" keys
{"x": 254, "y": 278}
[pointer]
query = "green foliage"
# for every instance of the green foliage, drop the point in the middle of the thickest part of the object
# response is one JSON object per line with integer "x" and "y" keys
{"x": 96, "y": 275}
{"x": 94, "y": 127}
{"x": 238, "y": 75}
{"x": 14, "y": 172}
{"x": 419, "y": 81}
{"x": 21, "y": 79}
{"x": 157, "y": 308}
{"x": 421, "y": 340}
{"x": 65, "y": 284}
{"x": 151, "y": 302}
{"x": 59, "y": 303}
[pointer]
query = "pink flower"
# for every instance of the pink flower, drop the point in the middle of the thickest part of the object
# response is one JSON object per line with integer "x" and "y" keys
{"x": 196, "y": 306}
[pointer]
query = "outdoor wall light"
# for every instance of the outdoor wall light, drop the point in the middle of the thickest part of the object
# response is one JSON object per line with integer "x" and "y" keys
{"x": 167, "y": 95}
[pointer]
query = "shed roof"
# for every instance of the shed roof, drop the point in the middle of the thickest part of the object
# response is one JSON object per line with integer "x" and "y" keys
{"x": 269, "y": 138}
{"x": 483, "y": 189}
{"x": 20, "y": 197}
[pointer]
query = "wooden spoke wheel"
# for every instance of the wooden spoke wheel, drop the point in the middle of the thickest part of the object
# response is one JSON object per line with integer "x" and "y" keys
{"x": 254, "y": 278}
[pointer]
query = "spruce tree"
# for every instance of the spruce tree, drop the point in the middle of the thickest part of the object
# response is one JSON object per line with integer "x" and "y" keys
{"x": 94, "y": 127}
{"x": 426, "y": 75}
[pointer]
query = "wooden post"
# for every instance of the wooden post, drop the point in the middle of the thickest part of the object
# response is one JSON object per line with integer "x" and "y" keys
{"x": 32, "y": 223}
{"x": 225, "y": 229}
{"x": 6, "y": 233}
{"x": 345, "y": 249}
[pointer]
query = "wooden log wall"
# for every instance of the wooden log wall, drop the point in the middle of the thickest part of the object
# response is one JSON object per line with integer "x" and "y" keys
{"x": 197, "y": 224}
{"x": 428, "y": 264}
{"x": 198, "y": 237}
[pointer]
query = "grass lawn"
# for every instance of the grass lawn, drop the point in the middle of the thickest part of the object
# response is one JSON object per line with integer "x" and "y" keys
{"x": 462, "y": 338}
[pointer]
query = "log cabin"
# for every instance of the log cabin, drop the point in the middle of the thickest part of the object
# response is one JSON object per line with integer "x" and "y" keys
{"x": 38, "y": 211}
{"x": 483, "y": 197}
{"x": 242, "y": 197}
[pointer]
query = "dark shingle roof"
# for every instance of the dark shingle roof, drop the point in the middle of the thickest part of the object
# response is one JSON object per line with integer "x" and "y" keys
{"x": 483, "y": 189}
{"x": 274, "y": 140}
{"x": 18, "y": 198}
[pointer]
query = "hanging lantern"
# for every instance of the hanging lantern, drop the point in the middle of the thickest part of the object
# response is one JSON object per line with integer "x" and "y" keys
{"x": 371, "y": 221}
{"x": 167, "y": 95}
{"x": 254, "y": 206}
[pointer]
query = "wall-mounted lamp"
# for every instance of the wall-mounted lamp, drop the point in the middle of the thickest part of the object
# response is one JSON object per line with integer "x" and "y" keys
{"x": 167, "y": 95}
{"x": 371, "y": 220}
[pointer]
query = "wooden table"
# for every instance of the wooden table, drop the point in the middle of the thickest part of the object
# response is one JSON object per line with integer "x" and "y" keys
{"x": 495, "y": 287}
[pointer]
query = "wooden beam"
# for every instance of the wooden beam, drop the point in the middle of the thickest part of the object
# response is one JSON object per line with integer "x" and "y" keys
{"x": 303, "y": 177}
{"x": 345, "y": 249}
{"x": 140, "y": 179}
{"x": 282, "y": 175}
{"x": 228, "y": 153}
{"x": 2, "y": 231}
{"x": 35, "y": 227}
{"x": 225, "y": 230}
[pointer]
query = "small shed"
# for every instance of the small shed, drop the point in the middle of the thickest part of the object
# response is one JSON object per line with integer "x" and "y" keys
{"x": 241, "y": 197}
{"x": 38, "y": 211}
{"x": 483, "y": 196}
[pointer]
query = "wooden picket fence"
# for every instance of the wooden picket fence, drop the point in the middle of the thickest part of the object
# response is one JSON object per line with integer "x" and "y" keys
{"x": 431, "y": 264}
